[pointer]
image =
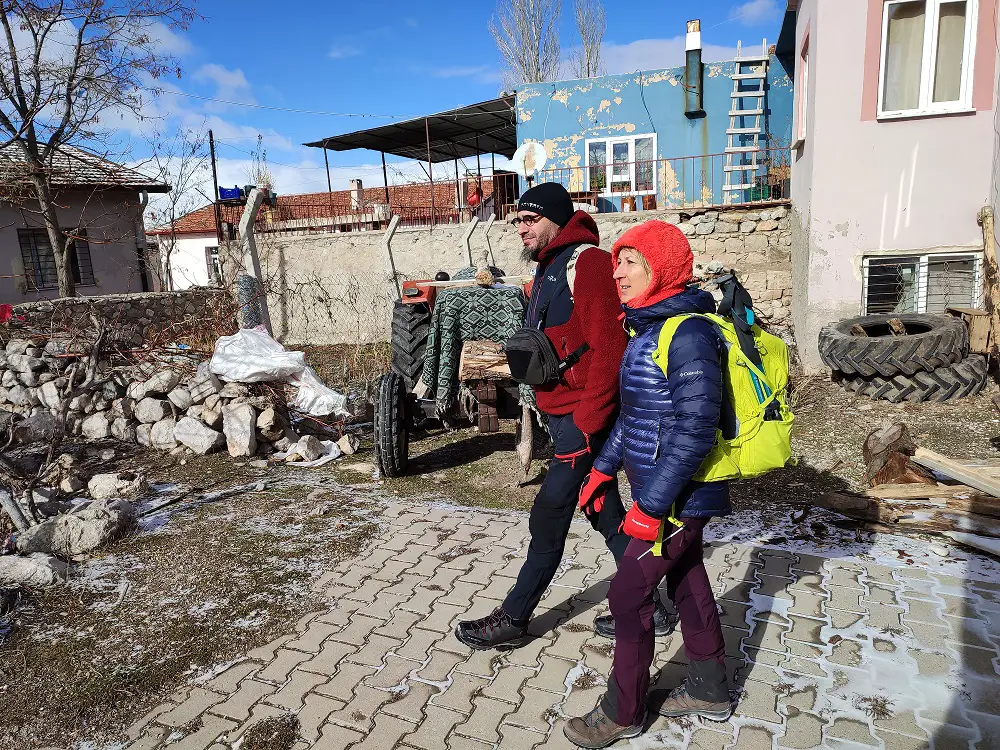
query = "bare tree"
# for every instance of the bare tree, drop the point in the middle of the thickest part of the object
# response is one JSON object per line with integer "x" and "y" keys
{"x": 526, "y": 33}
{"x": 259, "y": 173}
{"x": 590, "y": 21}
{"x": 66, "y": 66}
{"x": 182, "y": 162}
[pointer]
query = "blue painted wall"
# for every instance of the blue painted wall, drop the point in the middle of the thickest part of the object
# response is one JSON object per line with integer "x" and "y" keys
{"x": 562, "y": 115}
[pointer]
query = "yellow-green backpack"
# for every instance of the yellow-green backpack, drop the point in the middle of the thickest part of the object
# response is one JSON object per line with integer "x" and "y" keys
{"x": 760, "y": 440}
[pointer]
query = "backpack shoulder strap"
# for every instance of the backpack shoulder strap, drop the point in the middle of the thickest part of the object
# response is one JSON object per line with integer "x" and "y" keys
{"x": 670, "y": 326}
{"x": 571, "y": 267}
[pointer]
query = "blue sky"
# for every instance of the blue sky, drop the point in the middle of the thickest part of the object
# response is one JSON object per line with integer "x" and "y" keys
{"x": 393, "y": 58}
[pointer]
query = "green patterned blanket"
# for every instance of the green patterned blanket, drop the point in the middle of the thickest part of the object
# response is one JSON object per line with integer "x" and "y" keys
{"x": 466, "y": 314}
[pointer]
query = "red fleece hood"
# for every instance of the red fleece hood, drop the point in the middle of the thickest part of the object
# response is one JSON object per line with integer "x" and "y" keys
{"x": 669, "y": 255}
{"x": 581, "y": 228}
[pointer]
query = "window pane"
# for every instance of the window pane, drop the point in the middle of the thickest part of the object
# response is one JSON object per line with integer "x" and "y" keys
{"x": 645, "y": 163}
{"x": 79, "y": 257}
{"x": 891, "y": 286}
{"x": 621, "y": 177}
{"x": 36, "y": 254}
{"x": 904, "y": 56}
{"x": 950, "y": 53}
{"x": 950, "y": 283}
{"x": 597, "y": 158}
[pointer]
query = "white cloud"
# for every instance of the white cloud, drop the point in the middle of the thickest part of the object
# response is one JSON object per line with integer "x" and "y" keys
{"x": 755, "y": 12}
{"x": 241, "y": 136}
{"x": 340, "y": 51}
{"x": 167, "y": 41}
{"x": 651, "y": 54}
{"x": 229, "y": 84}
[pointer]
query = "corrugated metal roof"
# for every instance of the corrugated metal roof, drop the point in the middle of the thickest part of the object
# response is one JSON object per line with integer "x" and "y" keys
{"x": 484, "y": 128}
{"x": 74, "y": 167}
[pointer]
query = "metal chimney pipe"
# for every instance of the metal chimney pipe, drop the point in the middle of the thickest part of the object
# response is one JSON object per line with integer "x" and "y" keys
{"x": 693, "y": 72}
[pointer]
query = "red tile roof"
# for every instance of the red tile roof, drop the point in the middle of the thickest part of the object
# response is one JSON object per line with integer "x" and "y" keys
{"x": 337, "y": 203}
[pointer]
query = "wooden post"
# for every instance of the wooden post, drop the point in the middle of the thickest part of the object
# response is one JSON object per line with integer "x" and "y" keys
{"x": 992, "y": 276}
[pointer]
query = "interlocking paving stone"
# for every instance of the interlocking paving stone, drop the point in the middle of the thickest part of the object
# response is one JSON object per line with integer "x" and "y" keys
{"x": 238, "y": 705}
{"x": 359, "y": 713}
{"x": 437, "y": 724}
{"x": 293, "y": 693}
{"x": 534, "y": 708}
{"x": 418, "y": 645}
{"x": 314, "y": 714}
{"x": 803, "y": 731}
{"x": 441, "y": 664}
{"x": 483, "y": 722}
{"x": 336, "y": 737}
{"x": 482, "y": 664}
{"x": 197, "y": 701}
{"x": 343, "y": 684}
{"x": 754, "y": 738}
{"x": 211, "y": 729}
{"x": 387, "y": 733}
{"x": 329, "y": 658}
{"x": 228, "y": 681}
{"x": 506, "y": 686}
{"x": 459, "y": 694}
{"x": 411, "y": 705}
{"x": 374, "y": 651}
{"x": 393, "y": 673}
{"x": 516, "y": 738}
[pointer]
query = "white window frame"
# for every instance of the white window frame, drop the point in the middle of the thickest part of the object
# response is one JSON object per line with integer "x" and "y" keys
{"x": 608, "y": 162}
{"x": 802, "y": 96}
{"x": 922, "y": 263}
{"x": 932, "y": 17}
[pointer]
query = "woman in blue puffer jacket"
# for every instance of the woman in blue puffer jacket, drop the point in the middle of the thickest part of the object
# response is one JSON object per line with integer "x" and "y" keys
{"x": 666, "y": 428}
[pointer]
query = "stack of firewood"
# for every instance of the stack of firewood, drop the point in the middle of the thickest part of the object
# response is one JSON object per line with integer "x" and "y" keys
{"x": 912, "y": 489}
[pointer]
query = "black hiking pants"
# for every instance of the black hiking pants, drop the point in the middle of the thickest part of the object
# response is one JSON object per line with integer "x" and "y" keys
{"x": 552, "y": 514}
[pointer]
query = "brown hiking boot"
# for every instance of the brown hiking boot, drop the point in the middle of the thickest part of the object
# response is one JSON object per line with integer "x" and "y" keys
{"x": 679, "y": 702}
{"x": 596, "y": 730}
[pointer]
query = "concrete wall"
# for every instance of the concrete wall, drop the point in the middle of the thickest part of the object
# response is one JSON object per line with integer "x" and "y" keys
{"x": 864, "y": 187}
{"x": 564, "y": 114}
{"x": 338, "y": 288}
{"x": 188, "y": 266}
{"x": 110, "y": 217}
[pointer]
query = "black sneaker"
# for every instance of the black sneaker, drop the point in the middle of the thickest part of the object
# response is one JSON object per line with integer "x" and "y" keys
{"x": 664, "y": 623}
{"x": 496, "y": 630}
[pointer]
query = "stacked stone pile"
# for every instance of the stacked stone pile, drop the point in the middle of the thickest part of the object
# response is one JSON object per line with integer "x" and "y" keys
{"x": 164, "y": 409}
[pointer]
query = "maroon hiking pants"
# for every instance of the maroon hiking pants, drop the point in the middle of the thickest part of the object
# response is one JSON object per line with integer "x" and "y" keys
{"x": 631, "y": 600}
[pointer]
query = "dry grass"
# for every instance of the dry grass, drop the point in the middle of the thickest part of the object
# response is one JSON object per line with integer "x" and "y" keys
{"x": 877, "y": 707}
{"x": 277, "y": 733}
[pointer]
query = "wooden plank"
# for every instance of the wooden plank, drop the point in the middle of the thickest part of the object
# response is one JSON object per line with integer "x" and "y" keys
{"x": 949, "y": 467}
{"x": 917, "y": 491}
{"x": 897, "y": 327}
{"x": 515, "y": 280}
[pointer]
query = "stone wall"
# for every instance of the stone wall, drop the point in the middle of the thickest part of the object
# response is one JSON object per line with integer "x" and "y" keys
{"x": 135, "y": 318}
{"x": 338, "y": 288}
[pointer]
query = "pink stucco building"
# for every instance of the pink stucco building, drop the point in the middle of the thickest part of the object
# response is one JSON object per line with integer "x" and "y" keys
{"x": 896, "y": 151}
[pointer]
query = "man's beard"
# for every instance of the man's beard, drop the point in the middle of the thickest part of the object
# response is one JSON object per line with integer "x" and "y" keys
{"x": 527, "y": 255}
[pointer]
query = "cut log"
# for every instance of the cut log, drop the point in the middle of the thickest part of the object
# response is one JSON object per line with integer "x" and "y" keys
{"x": 886, "y": 453}
{"x": 857, "y": 330}
{"x": 897, "y": 327}
{"x": 859, "y": 507}
{"x": 982, "y": 480}
{"x": 482, "y": 360}
{"x": 525, "y": 440}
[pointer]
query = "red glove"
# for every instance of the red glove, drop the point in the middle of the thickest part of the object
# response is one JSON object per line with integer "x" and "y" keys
{"x": 592, "y": 492}
{"x": 640, "y": 526}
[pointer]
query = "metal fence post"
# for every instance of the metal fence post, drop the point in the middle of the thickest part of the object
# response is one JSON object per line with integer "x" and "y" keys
{"x": 467, "y": 241}
{"x": 387, "y": 244}
{"x": 486, "y": 234}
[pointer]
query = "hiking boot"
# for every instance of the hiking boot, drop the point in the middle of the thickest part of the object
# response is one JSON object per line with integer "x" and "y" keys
{"x": 664, "y": 623}
{"x": 496, "y": 630}
{"x": 596, "y": 730}
{"x": 679, "y": 702}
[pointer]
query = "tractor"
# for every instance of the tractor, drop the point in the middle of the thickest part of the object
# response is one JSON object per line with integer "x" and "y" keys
{"x": 481, "y": 380}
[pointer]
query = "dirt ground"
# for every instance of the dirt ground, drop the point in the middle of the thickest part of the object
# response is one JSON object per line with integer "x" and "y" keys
{"x": 226, "y": 553}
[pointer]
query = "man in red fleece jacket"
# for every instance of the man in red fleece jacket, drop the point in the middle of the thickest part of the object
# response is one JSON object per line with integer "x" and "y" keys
{"x": 580, "y": 406}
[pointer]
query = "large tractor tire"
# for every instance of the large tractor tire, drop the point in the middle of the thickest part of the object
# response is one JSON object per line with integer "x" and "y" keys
{"x": 967, "y": 378}
{"x": 410, "y": 326}
{"x": 930, "y": 342}
{"x": 392, "y": 426}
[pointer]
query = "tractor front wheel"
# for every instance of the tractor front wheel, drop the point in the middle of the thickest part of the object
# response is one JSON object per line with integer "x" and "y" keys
{"x": 411, "y": 324}
{"x": 392, "y": 426}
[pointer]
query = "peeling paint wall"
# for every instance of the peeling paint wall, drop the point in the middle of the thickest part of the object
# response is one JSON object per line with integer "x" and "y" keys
{"x": 563, "y": 115}
{"x": 867, "y": 187}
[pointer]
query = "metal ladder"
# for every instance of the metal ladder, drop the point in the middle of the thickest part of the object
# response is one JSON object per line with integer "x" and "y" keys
{"x": 742, "y": 139}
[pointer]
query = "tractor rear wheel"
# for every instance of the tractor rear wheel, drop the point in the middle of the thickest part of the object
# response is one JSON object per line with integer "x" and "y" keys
{"x": 411, "y": 323}
{"x": 392, "y": 426}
